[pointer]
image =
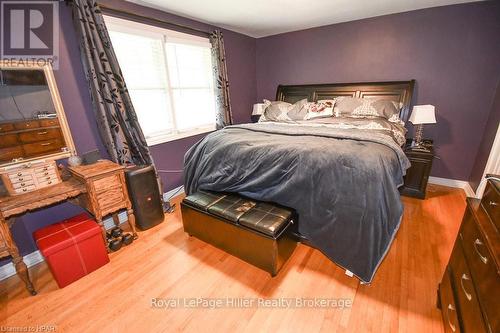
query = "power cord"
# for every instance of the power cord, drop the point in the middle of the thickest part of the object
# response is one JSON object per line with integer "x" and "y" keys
{"x": 167, "y": 206}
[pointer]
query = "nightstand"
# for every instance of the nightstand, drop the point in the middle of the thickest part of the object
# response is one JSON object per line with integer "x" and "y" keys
{"x": 415, "y": 181}
{"x": 255, "y": 118}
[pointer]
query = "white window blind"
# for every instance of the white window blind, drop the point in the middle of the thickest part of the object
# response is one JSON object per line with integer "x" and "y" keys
{"x": 169, "y": 76}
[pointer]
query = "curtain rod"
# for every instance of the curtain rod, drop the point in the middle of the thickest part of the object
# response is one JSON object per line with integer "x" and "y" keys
{"x": 120, "y": 12}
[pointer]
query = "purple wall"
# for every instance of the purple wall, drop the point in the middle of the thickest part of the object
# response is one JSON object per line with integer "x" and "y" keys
{"x": 453, "y": 53}
{"x": 490, "y": 132}
{"x": 240, "y": 53}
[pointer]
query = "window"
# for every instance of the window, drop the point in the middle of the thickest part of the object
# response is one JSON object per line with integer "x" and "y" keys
{"x": 169, "y": 77}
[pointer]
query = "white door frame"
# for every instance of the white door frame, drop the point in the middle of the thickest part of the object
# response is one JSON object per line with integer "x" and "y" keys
{"x": 492, "y": 166}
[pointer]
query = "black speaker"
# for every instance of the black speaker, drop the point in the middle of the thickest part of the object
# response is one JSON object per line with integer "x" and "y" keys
{"x": 146, "y": 200}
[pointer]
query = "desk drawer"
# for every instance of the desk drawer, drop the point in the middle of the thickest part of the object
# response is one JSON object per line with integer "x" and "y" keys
{"x": 110, "y": 197}
{"x": 41, "y": 134}
{"x": 19, "y": 175}
{"x": 49, "y": 122}
{"x": 6, "y": 127}
{"x": 25, "y": 189}
{"x": 21, "y": 179}
{"x": 45, "y": 168}
{"x": 47, "y": 183}
{"x": 8, "y": 140}
{"x": 23, "y": 184}
{"x": 7, "y": 154}
{"x": 448, "y": 306}
{"x": 28, "y": 124}
{"x": 468, "y": 305}
{"x": 46, "y": 175}
{"x": 104, "y": 184}
{"x": 52, "y": 145}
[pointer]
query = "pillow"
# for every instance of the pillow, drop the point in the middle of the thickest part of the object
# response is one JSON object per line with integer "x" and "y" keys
{"x": 283, "y": 111}
{"x": 298, "y": 110}
{"x": 320, "y": 109}
{"x": 362, "y": 107}
{"x": 275, "y": 111}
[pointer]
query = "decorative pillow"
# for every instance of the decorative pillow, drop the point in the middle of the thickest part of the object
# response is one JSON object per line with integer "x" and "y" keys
{"x": 275, "y": 111}
{"x": 299, "y": 110}
{"x": 362, "y": 107}
{"x": 320, "y": 109}
{"x": 283, "y": 111}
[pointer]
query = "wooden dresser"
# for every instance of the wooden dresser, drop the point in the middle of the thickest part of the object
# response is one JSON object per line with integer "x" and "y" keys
{"x": 469, "y": 293}
{"x": 106, "y": 191}
{"x": 100, "y": 188}
{"x": 30, "y": 138}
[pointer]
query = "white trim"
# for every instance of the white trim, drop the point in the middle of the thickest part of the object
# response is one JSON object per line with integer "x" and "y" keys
{"x": 464, "y": 185}
{"x": 30, "y": 260}
{"x": 143, "y": 29}
{"x": 174, "y": 192}
{"x": 162, "y": 138}
{"x": 492, "y": 166}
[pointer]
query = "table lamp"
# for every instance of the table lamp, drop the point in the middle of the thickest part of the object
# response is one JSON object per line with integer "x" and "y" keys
{"x": 420, "y": 115}
{"x": 258, "y": 110}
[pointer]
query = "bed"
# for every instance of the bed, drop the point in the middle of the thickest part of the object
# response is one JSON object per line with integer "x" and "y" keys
{"x": 341, "y": 176}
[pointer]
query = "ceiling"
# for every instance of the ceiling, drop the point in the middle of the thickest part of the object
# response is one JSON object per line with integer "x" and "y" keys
{"x": 260, "y": 18}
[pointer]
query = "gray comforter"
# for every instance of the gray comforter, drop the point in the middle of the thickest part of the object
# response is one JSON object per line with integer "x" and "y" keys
{"x": 342, "y": 182}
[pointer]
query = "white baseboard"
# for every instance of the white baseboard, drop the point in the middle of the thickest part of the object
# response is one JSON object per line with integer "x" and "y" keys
{"x": 172, "y": 193}
{"x": 464, "y": 185}
{"x": 30, "y": 260}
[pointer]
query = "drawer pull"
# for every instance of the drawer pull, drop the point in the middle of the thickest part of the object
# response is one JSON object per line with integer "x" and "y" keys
{"x": 465, "y": 277}
{"x": 46, "y": 144}
{"x": 483, "y": 258}
{"x": 452, "y": 308}
{"x": 25, "y": 189}
{"x": 493, "y": 203}
{"x": 48, "y": 178}
{"x": 19, "y": 174}
{"x": 21, "y": 179}
{"x": 23, "y": 184}
{"x": 42, "y": 133}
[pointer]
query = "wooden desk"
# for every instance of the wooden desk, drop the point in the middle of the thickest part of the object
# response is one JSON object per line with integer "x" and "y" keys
{"x": 99, "y": 188}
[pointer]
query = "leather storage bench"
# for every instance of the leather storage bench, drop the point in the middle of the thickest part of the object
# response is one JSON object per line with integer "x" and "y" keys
{"x": 253, "y": 231}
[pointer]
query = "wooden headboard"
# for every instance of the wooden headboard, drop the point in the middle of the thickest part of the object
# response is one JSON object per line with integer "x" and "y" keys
{"x": 398, "y": 91}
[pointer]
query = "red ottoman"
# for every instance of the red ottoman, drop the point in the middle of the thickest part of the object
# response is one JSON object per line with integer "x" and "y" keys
{"x": 73, "y": 248}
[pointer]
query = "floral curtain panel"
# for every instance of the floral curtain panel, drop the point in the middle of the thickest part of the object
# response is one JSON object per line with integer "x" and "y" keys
{"x": 223, "y": 103}
{"x": 115, "y": 115}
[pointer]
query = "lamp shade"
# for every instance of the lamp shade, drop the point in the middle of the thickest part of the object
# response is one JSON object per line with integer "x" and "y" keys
{"x": 258, "y": 109}
{"x": 423, "y": 114}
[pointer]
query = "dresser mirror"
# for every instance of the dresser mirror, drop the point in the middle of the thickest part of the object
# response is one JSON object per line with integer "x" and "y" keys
{"x": 33, "y": 125}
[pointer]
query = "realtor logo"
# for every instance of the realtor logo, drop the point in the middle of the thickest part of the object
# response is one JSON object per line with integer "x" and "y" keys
{"x": 30, "y": 32}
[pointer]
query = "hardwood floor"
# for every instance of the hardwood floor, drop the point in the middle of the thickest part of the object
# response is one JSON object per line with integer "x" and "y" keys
{"x": 165, "y": 263}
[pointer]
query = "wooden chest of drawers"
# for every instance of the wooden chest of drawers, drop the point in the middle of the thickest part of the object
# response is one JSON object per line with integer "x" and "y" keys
{"x": 30, "y": 138}
{"x": 469, "y": 294}
{"x": 106, "y": 190}
{"x": 29, "y": 177}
